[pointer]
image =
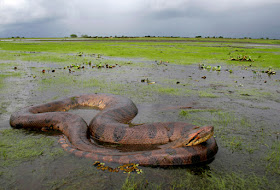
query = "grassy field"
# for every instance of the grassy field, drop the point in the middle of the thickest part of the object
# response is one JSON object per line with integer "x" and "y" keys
{"x": 239, "y": 98}
{"x": 178, "y": 51}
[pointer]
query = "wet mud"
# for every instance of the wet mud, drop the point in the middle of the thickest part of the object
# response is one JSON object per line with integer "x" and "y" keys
{"x": 241, "y": 102}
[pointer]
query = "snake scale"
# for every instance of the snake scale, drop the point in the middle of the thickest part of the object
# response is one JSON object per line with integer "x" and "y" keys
{"x": 111, "y": 125}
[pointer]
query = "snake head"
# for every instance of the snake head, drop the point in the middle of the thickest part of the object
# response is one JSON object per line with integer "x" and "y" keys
{"x": 199, "y": 135}
{"x": 194, "y": 137}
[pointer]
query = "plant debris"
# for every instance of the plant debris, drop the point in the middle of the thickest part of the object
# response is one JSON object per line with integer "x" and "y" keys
{"x": 98, "y": 66}
{"x": 161, "y": 62}
{"x": 148, "y": 81}
{"x": 126, "y": 168}
{"x": 242, "y": 58}
{"x": 269, "y": 71}
{"x": 208, "y": 67}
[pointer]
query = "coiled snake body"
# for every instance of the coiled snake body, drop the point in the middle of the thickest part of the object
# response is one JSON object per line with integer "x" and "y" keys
{"x": 110, "y": 125}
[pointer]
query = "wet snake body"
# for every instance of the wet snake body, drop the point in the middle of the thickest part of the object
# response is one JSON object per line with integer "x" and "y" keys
{"x": 110, "y": 125}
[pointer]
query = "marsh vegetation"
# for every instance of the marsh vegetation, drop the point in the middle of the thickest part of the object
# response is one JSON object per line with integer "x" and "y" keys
{"x": 240, "y": 98}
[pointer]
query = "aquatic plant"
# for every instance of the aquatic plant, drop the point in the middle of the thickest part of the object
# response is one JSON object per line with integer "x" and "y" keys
{"x": 242, "y": 58}
{"x": 269, "y": 71}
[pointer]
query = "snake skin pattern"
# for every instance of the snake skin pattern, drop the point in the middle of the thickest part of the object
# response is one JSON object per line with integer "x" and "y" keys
{"x": 111, "y": 125}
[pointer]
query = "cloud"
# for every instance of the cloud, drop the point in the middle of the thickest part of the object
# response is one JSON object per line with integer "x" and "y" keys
{"x": 32, "y": 18}
{"x": 138, "y": 17}
{"x": 163, "y": 9}
{"x": 214, "y": 5}
{"x": 27, "y": 11}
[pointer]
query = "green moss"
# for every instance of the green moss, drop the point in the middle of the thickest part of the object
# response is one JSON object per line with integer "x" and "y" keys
{"x": 17, "y": 147}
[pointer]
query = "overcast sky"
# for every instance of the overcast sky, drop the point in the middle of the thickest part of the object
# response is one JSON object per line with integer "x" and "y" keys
{"x": 186, "y": 18}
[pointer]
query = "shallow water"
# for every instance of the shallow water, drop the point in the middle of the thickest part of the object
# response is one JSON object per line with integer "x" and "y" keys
{"x": 243, "y": 106}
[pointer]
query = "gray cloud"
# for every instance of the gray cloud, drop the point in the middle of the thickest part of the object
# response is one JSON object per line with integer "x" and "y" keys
{"x": 27, "y": 11}
{"x": 233, "y": 18}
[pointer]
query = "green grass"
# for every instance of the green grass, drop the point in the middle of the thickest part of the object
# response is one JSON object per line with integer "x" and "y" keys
{"x": 16, "y": 147}
{"x": 179, "y": 53}
{"x": 227, "y": 126}
{"x": 206, "y": 180}
{"x": 65, "y": 81}
{"x": 131, "y": 183}
{"x": 187, "y": 113}
{"x": 235, "y": 133}
{"x": 257, "y": 94}
{"x": 273, "y": 158}
{"x": 204, "y": 94}
{"x": 214, "y": 180}
{"x": 7, "y": 74}
{"x": 71, "y": 83}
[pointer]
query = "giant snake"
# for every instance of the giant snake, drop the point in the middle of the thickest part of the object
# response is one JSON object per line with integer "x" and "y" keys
{"x": 178, "y": 143}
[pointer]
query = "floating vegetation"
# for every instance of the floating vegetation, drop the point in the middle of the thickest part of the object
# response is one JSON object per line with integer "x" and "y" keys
{"x": 75, "y": 66}
{"x": 98, "y": 66}
{"x": 269, "y": 71}
{"x": 242, "y": 58}
{"x": 161, "y": 62}
{"x": 126, "y": 168}
{"x": 80, "y": 54}
{"x": 208, "y": 67}
{"x": 229, "y": 70}
{"x": 147, "y": 81}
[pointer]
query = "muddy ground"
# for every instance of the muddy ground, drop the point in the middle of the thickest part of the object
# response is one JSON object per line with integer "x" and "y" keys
{"x": 241, "y": 102}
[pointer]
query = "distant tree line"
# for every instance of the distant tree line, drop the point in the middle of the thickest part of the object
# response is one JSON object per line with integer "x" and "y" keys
{"x": 17, "y": 37}
{"x": 123, "y": 36}
{"x": 149, "y": 36}
{"x": 73, "y": 35}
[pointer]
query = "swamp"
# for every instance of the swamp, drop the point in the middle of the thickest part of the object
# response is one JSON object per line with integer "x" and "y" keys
{"x": 231, "y": 84}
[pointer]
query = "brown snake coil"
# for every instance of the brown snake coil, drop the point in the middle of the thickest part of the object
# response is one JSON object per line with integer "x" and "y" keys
{"x": 110, "y": 125}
